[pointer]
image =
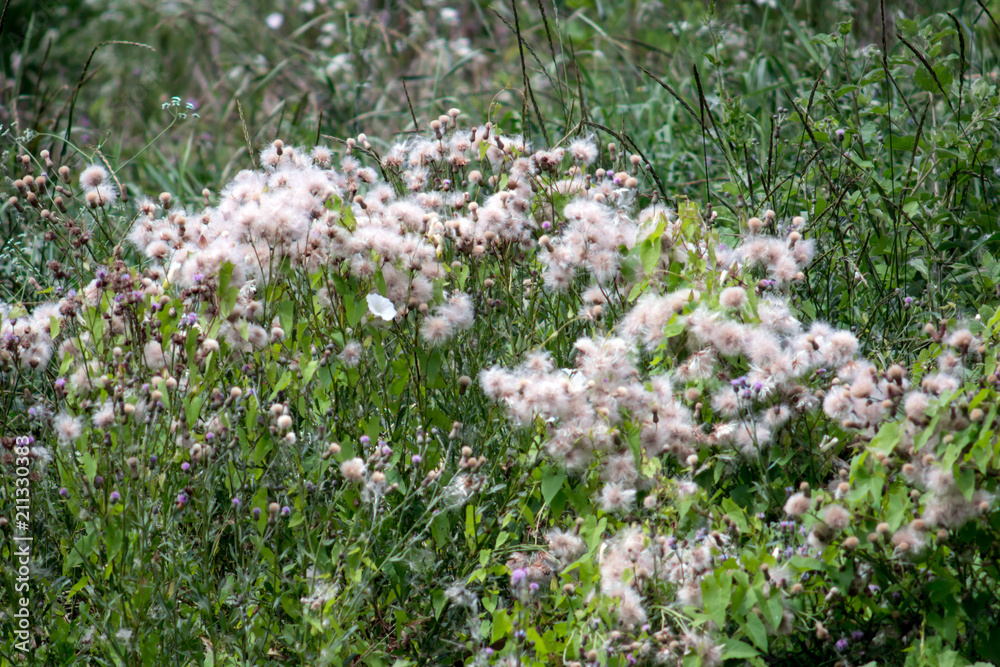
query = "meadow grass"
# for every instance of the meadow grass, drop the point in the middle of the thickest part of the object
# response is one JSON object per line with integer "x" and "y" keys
{"x": 499, "y": 334}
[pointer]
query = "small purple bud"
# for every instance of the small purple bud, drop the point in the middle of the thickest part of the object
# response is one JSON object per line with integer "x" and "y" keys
{"x": 185, "y": 466}
{"x": 517, "y": 576}
{"x": 533, "y": 586}
{"x": 64, "y": 492}
{"x": 416, "y": 459}
{"x": 365, "y": 440}
{"x": 209, "y": 435}
{"x": 98, "y": 481}
{"x": 256, "y": 513}
{"x": 842, "y": 644}
{"x": 197, "y": 277}
{"x": 153, "y": 458}
{"x": 115, "y": 496}
{"x": 236, "y": 502}
{"x": 286, "y": 510}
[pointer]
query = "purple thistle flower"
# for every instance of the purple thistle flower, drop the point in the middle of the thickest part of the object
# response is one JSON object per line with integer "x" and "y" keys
{"x": 517, "y": 576}
{"x": 842, "y": 644}
{"x": 115, "y": 496}
{"x": 416, "y": 459}
{"x": 64, "y": 492}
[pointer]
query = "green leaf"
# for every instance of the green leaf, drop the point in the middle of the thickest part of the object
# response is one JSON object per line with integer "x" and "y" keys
{"x": 874, "y": 76}
{"x": 502, "y": 625}
{"x": 470, "y": 526}
{"x": 286, "y": 377}
{"x": 886, "y": 439}
{"x": 78, "y": 586}
{"x": 754, "y": 627}
{"x": 192, "y": 407}
{"x": 649, "y": 252}
{"x": 965, "y": 481}
{"x": 674, "y": 327}
{"x": 715, "y": 596}
{"x": 924, "y": 79}
{"x": 225, "y": 277}
{"x": 89, "y": 464}
{"x": 735, "y": 649}
{"x": 552, "y": 481}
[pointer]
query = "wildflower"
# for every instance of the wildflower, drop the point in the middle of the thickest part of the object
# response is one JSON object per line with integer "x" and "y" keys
{"x": 565, "y": 546}
{"x": 93, "y": 176}
{"x": 437, "y": 330}
{"x": 354, "y": 470}
{"x": 797, "y": 504}
{"x": 733, "y": 297}
{"x": 616, "y": 499}
{"x": 351, "y": 354}
{"x": 836, "y": 517}
{"x": 583, "y": 150}
{"x": 67, "y": 427}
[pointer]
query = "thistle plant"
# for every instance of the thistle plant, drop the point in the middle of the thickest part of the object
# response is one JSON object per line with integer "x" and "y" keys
{"x": 462, "y": 399}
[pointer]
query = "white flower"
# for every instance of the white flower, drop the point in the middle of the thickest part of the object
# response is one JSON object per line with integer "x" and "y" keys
{"x": 381, "y": 306}
{"x": 274, "y": 21}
